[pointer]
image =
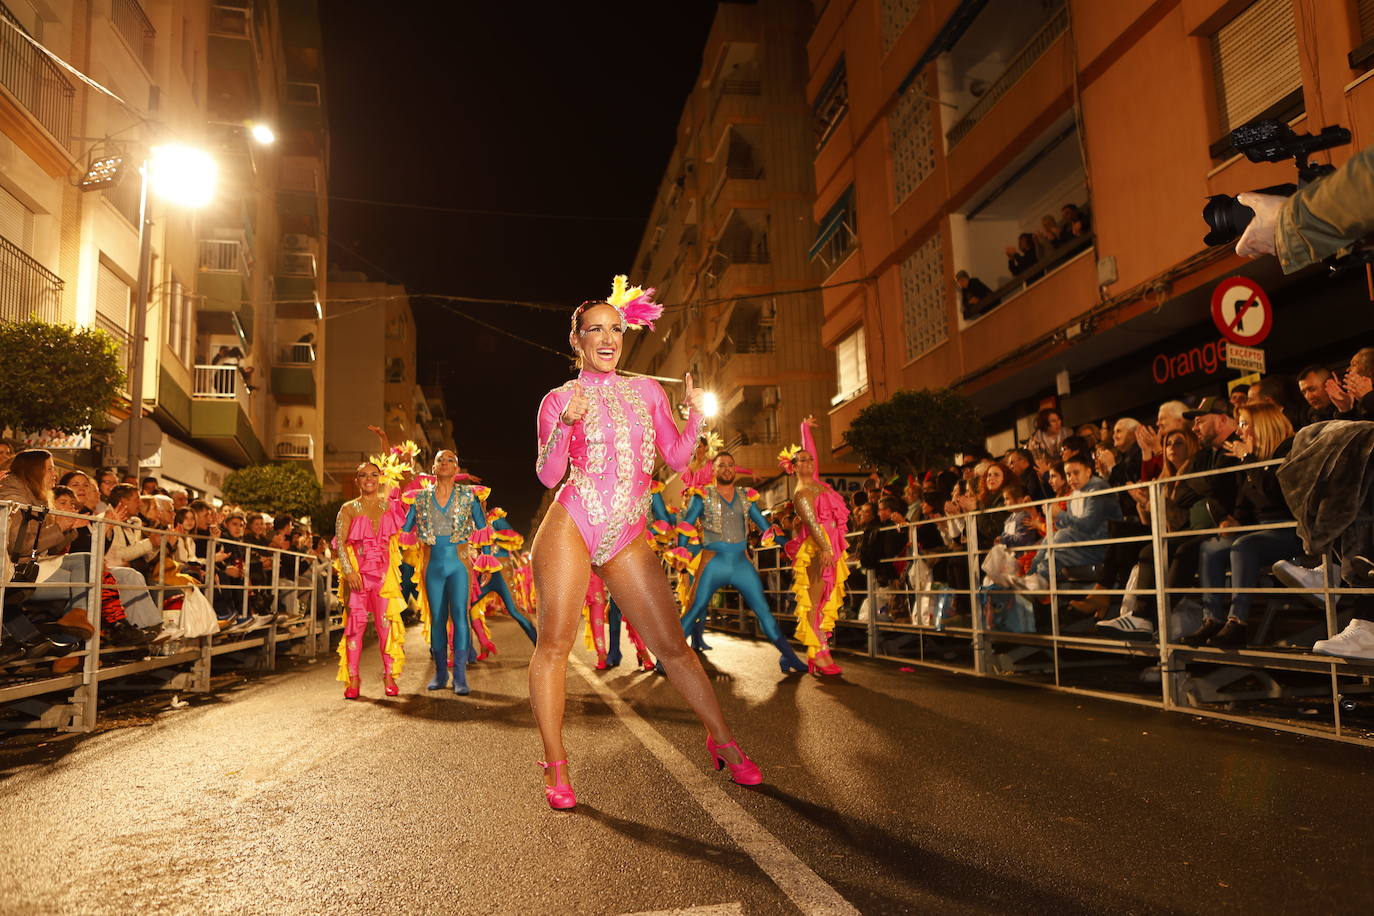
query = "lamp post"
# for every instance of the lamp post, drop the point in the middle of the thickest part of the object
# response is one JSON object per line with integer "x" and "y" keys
{"x": 181, "y": 175}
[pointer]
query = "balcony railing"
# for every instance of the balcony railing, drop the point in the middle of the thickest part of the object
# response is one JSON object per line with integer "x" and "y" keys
{"x": 220, "y": 383}
{"x": 33, "y": 79}
{"x": 295, "y": 447}
{"x": 296, "y": 354}
{"x": 133, "y": 26}
{"x": 121, "y": 337}
{"x": 741, "y": 87}
{"x": 27, "y": 288}
{"x": 1020, "y": 64}
{"x": 223, "y": 256}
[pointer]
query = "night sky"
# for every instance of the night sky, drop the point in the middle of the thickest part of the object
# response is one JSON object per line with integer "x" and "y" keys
{"x": 552, "y": 108}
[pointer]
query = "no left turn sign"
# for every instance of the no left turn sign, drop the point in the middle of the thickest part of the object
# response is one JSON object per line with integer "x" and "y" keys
{"x": 1242, "y": 311}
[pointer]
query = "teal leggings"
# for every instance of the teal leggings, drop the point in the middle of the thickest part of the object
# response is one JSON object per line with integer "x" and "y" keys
{"x": 731, "y": 566}
{"x": 446, "y": 585}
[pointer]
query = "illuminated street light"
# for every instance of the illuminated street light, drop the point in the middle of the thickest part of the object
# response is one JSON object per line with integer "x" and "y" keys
{"x": 710, "y": 405}
{"x": 263, "y": 134}
{"x": 182, "y": 175}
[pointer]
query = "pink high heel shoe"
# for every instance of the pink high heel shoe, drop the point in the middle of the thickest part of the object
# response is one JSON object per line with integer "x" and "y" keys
{"x": 389, "y": 686}
{"x": 354, "y": 687}
{"x": 744, "y": 773}
{"x": 819, "y": 670}
{"x": 560, "y": 795}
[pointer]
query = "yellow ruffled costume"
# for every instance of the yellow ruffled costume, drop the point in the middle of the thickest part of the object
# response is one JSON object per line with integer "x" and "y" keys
{"x": 801, "y": 588}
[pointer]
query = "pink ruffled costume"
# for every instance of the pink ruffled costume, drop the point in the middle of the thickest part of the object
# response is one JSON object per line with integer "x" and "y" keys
{"x": 612, "y": 451}
{"x": 370, "y": 548}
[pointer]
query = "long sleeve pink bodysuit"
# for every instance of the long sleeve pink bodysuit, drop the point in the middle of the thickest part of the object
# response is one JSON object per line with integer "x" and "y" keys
{"x": 612, "y": 451}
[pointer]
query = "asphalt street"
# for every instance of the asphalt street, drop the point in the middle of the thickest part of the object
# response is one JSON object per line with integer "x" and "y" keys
{"x": 887, "y": 791}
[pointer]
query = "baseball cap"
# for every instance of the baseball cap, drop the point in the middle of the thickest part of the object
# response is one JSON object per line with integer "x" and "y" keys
{"x": 1209, "y": 405}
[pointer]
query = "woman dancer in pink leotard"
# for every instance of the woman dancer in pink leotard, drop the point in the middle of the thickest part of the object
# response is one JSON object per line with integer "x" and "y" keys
{"x": 609, "y": 429}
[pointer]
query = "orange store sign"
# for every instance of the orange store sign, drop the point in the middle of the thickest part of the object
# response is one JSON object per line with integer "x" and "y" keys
{"x": 1208, "y": 358}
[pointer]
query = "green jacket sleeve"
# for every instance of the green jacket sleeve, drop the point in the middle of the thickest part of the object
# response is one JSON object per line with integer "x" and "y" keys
{"x": 1325, "y": 217}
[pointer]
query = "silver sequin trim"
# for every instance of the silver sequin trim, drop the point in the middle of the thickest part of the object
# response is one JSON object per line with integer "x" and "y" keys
{"x": 547, "y": 447}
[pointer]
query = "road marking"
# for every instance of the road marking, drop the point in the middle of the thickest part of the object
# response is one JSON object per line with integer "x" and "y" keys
{"x": 718, "y": 909}
{"x": 803, "y": 886}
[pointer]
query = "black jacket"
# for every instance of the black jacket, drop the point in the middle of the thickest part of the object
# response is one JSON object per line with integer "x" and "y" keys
{"x": 1219, "y": 490}
{"x": 1260, "y": 498}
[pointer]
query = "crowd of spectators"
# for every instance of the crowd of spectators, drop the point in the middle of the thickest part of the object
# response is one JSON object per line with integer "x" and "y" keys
{"x": 904, "y": 527}
{"x": 1028, "y": 257}
{"x": 160, "y": 544}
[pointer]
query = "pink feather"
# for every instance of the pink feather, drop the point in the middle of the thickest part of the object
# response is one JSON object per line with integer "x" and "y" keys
{"x": 642, "y": 311}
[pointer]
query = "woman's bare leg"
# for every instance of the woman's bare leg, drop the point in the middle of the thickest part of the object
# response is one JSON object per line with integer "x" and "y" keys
{"x": 637, "y": 583}
{"x": 561, "y": 570}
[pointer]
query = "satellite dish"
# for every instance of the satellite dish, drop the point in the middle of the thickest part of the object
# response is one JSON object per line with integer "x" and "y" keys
{"x": 978, "y": 88}
{"x": 149, "y": 434}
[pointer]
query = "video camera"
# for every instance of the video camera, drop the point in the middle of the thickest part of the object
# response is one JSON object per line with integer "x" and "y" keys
{"x": 1269, "y": 140}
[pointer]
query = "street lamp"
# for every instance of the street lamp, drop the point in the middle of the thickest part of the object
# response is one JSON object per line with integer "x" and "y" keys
{"x": 262, "y": 134}
{"x": 710, "y": 405}
{"x": 179, "y": 174}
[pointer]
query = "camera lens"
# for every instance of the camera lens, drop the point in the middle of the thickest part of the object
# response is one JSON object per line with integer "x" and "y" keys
{"x": 1227, "y": 218}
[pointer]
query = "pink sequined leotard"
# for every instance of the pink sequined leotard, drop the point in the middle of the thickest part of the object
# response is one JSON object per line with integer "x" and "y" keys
{"x": 612, "y": 451}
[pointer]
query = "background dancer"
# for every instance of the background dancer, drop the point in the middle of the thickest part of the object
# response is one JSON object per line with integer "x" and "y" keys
{"x": 364, "y": 532}
{"x": 506, "y": 542}
{"x": 725, "y": 514}
{"x": 449, "y": 519}
{"x": 609, "y": 428}
{"x": 821, "y": 564}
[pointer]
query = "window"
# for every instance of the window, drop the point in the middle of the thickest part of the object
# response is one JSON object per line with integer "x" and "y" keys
{"x": 16, "y": 222}
{"x": 303, "y": 93}
{"x": 1362, "y": 55}
{"x": 1255, "y": 67}
{"x": 112, "y": 297}
{"x": 913, "y": 139}
{"x": 925, "y": 319}
{"x": 831, "y": 104}
{"x": 896, "y": 15}
{"x": 836, "y": 239}
{"x": 851, "y": 367}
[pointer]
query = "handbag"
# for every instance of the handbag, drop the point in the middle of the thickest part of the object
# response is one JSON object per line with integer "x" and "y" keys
{"x": 23, "y": 569}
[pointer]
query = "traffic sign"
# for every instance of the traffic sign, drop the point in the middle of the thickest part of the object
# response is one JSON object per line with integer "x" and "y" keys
{"x": 1242, "y": 311}
{"x": 1246, "y": 359}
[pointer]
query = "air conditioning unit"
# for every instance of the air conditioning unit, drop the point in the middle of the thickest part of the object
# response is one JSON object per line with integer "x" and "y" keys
{"x": 772, "y": 396}
{"x": 297, "y": 241}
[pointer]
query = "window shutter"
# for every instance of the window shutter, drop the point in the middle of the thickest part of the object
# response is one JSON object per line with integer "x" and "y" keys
{"x": 1255, "y": 61}
{"x": 16, "y": 222}
{"x": 112, "y": 298}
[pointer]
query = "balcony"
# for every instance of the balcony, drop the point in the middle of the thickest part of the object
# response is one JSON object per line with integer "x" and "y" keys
{"x": 223, "y": 282}
{"x": 220, "y": 408}
{"x": 296, "y": 281}
{"x": 295, "y": 447}
{"x": 27, "y": 288}
{"x": 293, "y": 375}
{"x": 133, "y": 26}
{"x": 1016, "y": 67}
{"x": 300, "y": 174}
{"x": 35, "y": 81}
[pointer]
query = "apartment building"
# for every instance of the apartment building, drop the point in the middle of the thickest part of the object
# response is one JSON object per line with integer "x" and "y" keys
{"x": 728, "y": 240}
{"x": 373, "y": 336}
{"x": 948, "y": 128}
{"x": 233, "y": 330}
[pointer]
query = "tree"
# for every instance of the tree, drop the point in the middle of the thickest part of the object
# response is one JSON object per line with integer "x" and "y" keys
{"x": 277, "y": 489}
{"x": 56, "y": 376}
{"x": 914, "y": 431}
{"x": 323, "y": 521}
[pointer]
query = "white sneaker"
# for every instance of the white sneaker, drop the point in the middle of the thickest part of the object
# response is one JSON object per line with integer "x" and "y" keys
{"x": 1300, "y": 577}
{"x": 1127, "y": 626}
{"x": 1355, "y": 641}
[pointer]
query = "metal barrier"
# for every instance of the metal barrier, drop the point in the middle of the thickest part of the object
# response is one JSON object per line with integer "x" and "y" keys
{"x": 299, "y": 618}
{"x": 1276, "y": 681}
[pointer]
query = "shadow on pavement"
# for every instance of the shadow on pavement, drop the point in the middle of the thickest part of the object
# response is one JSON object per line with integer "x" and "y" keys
{"x": 681, "y": 846}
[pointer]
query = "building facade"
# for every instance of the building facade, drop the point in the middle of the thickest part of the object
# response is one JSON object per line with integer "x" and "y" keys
{"x": 233, "y": 332}
{"x": 949, "y": 129}
{"x": 728, "y": 239}
{"x": 373, "y": 336}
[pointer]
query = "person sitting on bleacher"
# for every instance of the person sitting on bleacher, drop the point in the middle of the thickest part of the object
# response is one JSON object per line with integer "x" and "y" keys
{"x": 1084, "y": 519}
{"x": 1265, "y": 433}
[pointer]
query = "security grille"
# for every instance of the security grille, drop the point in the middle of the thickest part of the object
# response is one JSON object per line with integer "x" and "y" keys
{"x": 896, "y": 14}
{"x": 913, "y": 139}
{"x": 925, "y": 318}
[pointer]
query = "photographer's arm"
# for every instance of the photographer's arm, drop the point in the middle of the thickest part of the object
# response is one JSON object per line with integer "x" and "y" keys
{"x": 1317, "y": 221}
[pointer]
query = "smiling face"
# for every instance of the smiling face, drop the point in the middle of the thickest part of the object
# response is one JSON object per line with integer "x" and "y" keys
{"x": 993, "y": 479}
{"x": 369, "y": 479}
{"x": 599, "y": 337}
{"x": 805, "y": 464}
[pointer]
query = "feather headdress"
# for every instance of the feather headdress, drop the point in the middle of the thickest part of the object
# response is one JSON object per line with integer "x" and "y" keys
{"x": 635, "y": 304}
{"x": 393, "y": 468}
{"x": 714, "y": 443}
{"x": 787, "y": 456}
